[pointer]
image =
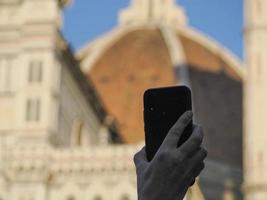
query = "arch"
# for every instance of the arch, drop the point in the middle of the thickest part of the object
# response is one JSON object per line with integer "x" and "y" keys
{"x": 70, "y": 198}
{"x": 97, "y": 197}
{"x": 124, "y": 191}
{"x": 70, "y": 191}
{"x": 77, "y": 132}
{"x": 97, "y": 191}
{"x": 125, "y": 197}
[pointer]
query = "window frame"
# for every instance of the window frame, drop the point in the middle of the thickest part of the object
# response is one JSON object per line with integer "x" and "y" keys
{"x": 35, "y": 71}
{"x": 33, "y": 110}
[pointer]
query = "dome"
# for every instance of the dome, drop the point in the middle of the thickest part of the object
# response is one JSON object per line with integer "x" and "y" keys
{"x": 134, "y": 57}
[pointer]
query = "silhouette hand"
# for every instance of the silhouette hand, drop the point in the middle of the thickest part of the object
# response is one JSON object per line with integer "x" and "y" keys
{"x": 172, "y": 170}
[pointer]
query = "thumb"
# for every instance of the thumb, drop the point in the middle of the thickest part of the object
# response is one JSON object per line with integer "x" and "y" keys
{"x": 140, "y": 158}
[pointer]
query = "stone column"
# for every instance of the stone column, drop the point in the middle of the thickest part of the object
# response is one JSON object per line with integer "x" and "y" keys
{"x": 255, "y": 101}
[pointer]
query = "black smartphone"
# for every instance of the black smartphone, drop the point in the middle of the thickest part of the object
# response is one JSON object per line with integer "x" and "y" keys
{"x": 162, "y": 108}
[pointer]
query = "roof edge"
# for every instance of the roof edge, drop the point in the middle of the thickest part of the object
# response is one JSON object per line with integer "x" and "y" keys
{"x": 86, "y": 87}
{"x": 215, "y": 47}
{"x": 97, "y": 47}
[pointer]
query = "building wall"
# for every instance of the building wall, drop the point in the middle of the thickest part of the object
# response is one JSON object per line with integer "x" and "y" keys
{"x": 9, "y": 34}
{"x": 39, "y": 101}
{"x": 27, "y": 38}
{"x": 74, "y": 111}
{"x": 45, "y": 173}
{"x": 30, "y": 45}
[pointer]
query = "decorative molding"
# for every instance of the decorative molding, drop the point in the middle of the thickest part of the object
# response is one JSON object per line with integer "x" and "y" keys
{"x": 24, "y": 159}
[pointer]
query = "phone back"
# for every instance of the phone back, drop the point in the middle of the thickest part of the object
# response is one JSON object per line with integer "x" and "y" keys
{"x": 162, "y": 108}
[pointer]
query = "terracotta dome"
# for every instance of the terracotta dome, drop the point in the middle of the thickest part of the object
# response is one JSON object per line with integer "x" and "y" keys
{"x": 127, "y": 61}
{"x": 155, "y": 48}
{"x": 157, "y": 52}
{"x": 138, "y": 60}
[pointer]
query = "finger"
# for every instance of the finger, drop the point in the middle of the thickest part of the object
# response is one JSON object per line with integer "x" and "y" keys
{"x": 194, "y": 173}
{"x": 176, "y": 131}
{"x": 192, "y": 182}
{"x": 199, "y": 157}
{"x": 140, "y": 157}
{"x": 193, "y": 143}
{"x": 197, "y": 170}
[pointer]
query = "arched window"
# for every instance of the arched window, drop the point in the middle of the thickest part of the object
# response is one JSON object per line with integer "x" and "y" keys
{"x": 35, "y": 74}
{"x": 125, "y": 197}
{"x": 98, "y": 197}
{"x": 70, "y": 198}
{"x": 33, "y": 109}
{"x": 26, "y": 197}
{"x": 77, "y": 130}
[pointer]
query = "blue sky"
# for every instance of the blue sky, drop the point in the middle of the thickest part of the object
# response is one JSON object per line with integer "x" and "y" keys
{"x": 85, "y": 20}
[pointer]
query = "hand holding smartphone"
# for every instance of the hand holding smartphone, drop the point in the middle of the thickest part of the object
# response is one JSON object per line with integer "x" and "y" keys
{"x": 173, "y": 156}
{"x": 162, "y": 108}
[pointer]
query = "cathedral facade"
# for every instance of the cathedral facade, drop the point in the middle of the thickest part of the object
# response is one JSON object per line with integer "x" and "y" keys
{"x": 71, "y": 123}
{"x": 56, "y": 139}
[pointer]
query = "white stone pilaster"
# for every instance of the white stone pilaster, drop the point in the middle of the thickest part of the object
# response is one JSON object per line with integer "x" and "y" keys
{"x": 39, "y": 31}
{"x": 255, "y": 102}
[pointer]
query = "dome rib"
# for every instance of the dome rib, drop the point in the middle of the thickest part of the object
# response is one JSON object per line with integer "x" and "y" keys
{"x": 217, "y": 49}
{"x": 176, "y": 52}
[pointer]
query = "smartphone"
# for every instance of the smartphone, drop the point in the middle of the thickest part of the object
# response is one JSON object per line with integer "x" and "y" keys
{"x": 162, "y": 108}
